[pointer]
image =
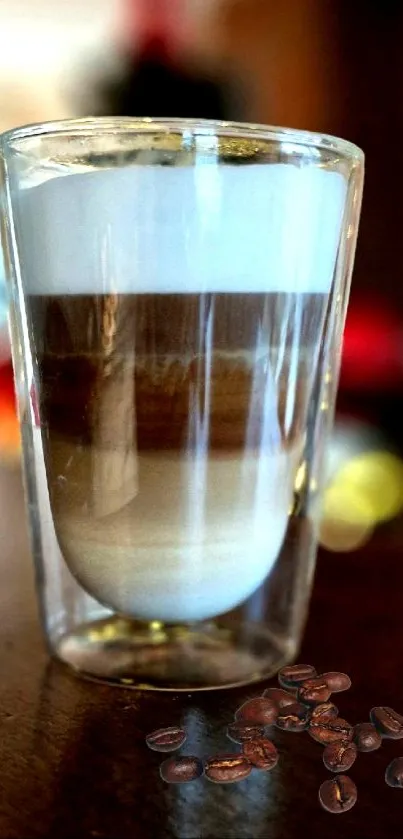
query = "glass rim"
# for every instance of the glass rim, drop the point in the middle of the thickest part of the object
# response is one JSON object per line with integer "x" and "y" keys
{"x": 121, "y": 125}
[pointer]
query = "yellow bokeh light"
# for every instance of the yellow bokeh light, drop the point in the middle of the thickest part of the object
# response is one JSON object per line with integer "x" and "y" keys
{"x": 378, "y": 478}
{"x": 347, "y": 520}
{"x": 366, "y": 491}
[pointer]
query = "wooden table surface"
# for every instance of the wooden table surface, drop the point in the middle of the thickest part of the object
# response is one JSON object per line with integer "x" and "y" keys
{"x": 73, "y": 762}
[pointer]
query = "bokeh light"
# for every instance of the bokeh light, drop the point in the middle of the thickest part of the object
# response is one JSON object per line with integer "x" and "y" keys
{"x": 365, "y": 492}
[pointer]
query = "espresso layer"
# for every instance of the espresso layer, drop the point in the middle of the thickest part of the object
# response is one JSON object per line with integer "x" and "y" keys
{"x": 172, "y": 429}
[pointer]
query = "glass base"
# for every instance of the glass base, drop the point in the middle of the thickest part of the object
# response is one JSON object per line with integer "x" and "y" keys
{"x": 156, "y": 656}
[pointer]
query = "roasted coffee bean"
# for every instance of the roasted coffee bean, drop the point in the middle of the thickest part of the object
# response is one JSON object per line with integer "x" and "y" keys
{"x": 181, "y": 770}
{"x": 294, "y": 674}
{"x": 280, "y": 697}
{"x": 337, "y": 682}
{"x": 261, "y": 753}
{"x": 240, "y": 731}
{"x": 166, "y": 739}
{"x": 338, "y": 795}
{"x": 366, "y": 737}
{"x": 388, "y": 722}
{"x": 324, "y": 712}
{"x": 227, "y": 769}
{"x": 340, "y": 756}
{"x": 331, "y": 731}
{"x": 293, "y": 717}
{"x": 314, "y": 690}
{"x": 260, "y": 710}
{"x": 394, "y": 773}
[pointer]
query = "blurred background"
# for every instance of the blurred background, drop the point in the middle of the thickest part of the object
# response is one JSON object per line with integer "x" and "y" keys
{"x": 328, "y": 65}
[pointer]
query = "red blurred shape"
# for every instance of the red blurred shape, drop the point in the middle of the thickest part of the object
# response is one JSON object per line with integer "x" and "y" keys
{"x": 157, "y": 26}
{"x": 372, "y": 356}
{"x": 9, "y": 431}
{"x": 7, "y": 393}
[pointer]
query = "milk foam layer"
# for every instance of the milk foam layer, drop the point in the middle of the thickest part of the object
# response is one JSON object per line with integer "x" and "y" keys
{"x": 203, "y": 228}
{"x": 195, "y": 541}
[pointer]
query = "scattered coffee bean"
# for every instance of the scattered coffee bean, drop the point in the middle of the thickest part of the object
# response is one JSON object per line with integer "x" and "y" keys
{"x": 293, "y": 717}
{"x": 394, "y": 773}
{"x": 227, "y": 769}
{"x": 314, "y": 690}
{"x": 240, "y": 731}
{"x": 388, "y": 722}
{"x": 280, "y": 697}
{"x": 293, "y": 675}
{"x": 260, "y": 710}
{"x": 261, "y": 753}
{"x": 366, "y": 737}
{"x": 166, "y": 739}
{"x": 340, "y": 756}
{"x": 337, "y": 682}
{"x": 338, "y": 794}
{"x": 181, "y": 770}
{"x": 324, "y": 712}
{"x": 331, "y": 731}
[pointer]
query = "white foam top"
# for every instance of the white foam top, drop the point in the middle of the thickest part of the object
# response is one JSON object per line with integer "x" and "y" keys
{"x": 202, "y": 228}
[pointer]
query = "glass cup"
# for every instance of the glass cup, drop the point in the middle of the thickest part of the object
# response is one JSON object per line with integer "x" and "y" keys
{"x": 177, "y": 291}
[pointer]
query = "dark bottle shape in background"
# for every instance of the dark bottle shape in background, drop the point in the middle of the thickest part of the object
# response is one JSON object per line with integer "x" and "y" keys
{"x": 156, "y": 77}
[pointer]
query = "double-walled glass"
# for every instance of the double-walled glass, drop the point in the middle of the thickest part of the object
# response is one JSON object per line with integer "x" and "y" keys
{"x": 178, "y": 293}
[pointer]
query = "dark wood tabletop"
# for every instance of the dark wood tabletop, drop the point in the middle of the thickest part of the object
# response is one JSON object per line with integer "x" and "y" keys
{"x": 73, "y": 761}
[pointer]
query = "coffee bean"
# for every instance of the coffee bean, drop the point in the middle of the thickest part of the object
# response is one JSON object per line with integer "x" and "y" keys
{"x": 293, "y": 675}
{"x": 314, "y": 690}
{"x": 227, "y": 769}
{"x": 181, "y": 770}
{"x": 240, "y": 731}
{"x": 338, "y": 794}
{"x": 366, "y": 737}
{"x": 280, "y": 697}
{"x": 324, "y": 712}
{"x": 340, "y": 756}
{"x": 259, "y": 710}
{"x": 337, "y": 682}
{"x": 394, "y": 773}
{"x": 293, "y": 717}
{"x": 331, "y": 731}
{"x": 388, "y": 722}
{"x": 166, "y": 739}
{"x": 261, "y": 753}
